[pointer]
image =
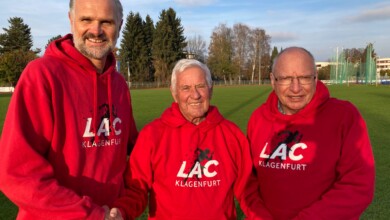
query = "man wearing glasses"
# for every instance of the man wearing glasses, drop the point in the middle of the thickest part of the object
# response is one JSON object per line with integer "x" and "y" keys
{"x": 311, "y": 152}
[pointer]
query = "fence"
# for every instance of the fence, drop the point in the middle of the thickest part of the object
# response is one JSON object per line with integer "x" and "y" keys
{"x": 149, "y": 85}
{"x": 153, "y": 85}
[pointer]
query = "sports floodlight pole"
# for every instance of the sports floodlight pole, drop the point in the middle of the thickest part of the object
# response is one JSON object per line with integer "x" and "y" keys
{"x": 128, "y": 73}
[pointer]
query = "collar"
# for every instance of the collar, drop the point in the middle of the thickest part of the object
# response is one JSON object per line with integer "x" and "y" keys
{"x": 280, "y": 108}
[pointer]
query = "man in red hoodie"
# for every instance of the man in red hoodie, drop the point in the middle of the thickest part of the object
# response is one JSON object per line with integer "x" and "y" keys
{"x": 311, "y": 152}
{"x": 191, "y": 162}
{"x": 69, "y": 123}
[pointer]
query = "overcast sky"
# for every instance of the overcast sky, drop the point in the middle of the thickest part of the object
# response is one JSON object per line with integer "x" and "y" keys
{"x": 318, "y": 25}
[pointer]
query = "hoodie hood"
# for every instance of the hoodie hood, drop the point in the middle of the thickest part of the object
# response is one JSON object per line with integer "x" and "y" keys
{"x": 64, "y": 49}
{"x": 320, "y": 97}
{"x": 174, "y": 118}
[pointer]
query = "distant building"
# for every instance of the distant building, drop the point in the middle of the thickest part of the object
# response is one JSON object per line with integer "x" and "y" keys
{"x": 382, "y": 64}
{"x": 319, "y": 65}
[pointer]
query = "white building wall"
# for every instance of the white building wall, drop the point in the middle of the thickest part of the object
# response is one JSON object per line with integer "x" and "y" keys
{"x": 382, "y": 64}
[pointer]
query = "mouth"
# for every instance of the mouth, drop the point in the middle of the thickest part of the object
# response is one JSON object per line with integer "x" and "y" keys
{"x": 95, "y": 40}
{"x": 296, "y": 98}
{"x": 195, "y": 104}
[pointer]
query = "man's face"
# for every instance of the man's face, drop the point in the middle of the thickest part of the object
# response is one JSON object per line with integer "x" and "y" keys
{"x": 294, "y": 96}
{"x": 192, "y": 94}
{"x": 95, "y": 27}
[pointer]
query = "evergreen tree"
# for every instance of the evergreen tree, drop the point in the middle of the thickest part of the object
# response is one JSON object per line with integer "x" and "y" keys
{"x": 364, "y": 54}
{"x": 168, "y": 44}
{"x": 15, "y": 51}
{"x": 133, "y": 54}
{"x": 52, "y": 39}
{"x": 16, "y": 37}
{"x": 273, "y": 55}
{"x": 148, "y": 31}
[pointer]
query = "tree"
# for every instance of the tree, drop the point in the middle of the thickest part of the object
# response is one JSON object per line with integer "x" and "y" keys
{"x": 15, "y": 50}
{"x": 273, "y": 55}
{"x": 12, "y": 64}
{"x": 221, "y": 53}
{"x": 259, "y": 56}
{"x": 385, "y": 73}
{"x": 324, "y": 73}
{"x": 149, "y": 31}
{"x": 168, "y": 44}
{"x": 133, "y": 54}
{"x": 353, "y": 55}
{"x": 241, "y": 46}
{"x": 364, "y": 54}
{"x": 196, "y": 46}
{"x": 52, "y": 39}
{"x": 16, "y": 37}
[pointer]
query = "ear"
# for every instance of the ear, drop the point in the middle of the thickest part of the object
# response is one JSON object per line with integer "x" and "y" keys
{"x": 272, "y": 77}
{"x": 70, "y": 21}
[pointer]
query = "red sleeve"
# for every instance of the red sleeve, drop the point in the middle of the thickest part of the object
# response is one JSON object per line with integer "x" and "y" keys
{"x": 138, "y": 177}
{"x": 353, "y": 190}
{"x": 246, "y": 187}
{"x": 26, "y": 177}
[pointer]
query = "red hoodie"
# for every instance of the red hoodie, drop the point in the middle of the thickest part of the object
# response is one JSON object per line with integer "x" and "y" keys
{"x": 191, "y": 171}
{"x": 65, "y": 137}
{"x": 316, "y": 164}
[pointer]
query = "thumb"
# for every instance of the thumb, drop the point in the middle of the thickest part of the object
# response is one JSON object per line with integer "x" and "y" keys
{"x": 114, "y": 212}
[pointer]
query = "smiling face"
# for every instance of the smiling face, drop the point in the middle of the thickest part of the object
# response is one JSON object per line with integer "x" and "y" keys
{"x": 294, "y": 62}
{"x": 95, "y": 27}
{"x": 192, "y": 93}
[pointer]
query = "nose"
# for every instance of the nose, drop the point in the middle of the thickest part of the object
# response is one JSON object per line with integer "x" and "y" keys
{"x": 295, "y": 86}
{"x": 95, "y": 28}
{"x": 195, "y": 93}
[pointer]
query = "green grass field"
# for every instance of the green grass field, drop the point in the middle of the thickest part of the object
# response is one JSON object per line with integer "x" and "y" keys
{"x": 237, "y": 103}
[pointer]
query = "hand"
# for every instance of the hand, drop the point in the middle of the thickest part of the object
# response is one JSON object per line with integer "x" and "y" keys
{"x": 113, "y": 214}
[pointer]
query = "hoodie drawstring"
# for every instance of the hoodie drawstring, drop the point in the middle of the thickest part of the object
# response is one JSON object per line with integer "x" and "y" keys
{"x": 110, "y": 107}
{"x": 95, "y": 106}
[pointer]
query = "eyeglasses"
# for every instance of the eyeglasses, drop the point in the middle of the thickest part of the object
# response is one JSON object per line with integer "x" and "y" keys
{"x": 287, "y": 80}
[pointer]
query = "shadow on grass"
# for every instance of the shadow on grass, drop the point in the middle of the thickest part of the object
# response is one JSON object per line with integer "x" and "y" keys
{"x": 258, "y": 97}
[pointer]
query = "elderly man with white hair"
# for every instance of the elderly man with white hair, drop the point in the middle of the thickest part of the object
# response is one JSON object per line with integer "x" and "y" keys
{"x": 191, "y": 161}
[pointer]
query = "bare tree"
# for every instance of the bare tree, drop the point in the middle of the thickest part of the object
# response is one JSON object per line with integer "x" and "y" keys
{"x": 354, "y": 55}
{"x": 221, "y": 53}
{"x": 259, "y": 49}
{"x": 241, "y": 46}
{"x": 239, "y": 51}
{"x": 196, "y": 47}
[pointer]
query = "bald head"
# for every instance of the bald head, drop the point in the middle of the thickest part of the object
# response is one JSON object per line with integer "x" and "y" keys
{"x": 296, "y": 53}
{"x": 294, "y": 79}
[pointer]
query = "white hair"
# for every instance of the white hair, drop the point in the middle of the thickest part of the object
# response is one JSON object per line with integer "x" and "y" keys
{"x": 184, "y": 64}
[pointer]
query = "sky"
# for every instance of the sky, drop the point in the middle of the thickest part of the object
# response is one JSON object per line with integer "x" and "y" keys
{"x": 322, "y": 27}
